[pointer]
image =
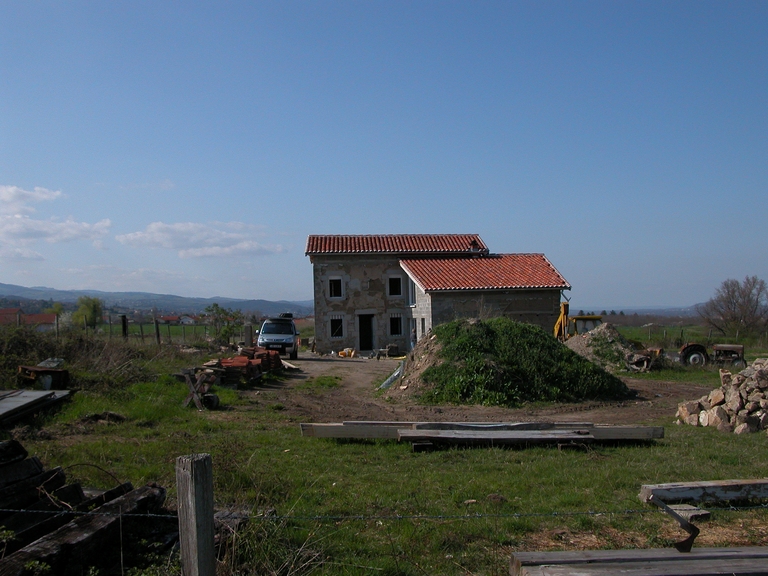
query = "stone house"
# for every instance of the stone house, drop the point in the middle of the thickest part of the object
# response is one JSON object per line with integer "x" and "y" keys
{"x": 371, "y": 291}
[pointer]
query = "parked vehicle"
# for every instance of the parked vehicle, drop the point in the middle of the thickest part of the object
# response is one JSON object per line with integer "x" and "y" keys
{"x": 280, "y": 334}
{"x": 695, "y": 354}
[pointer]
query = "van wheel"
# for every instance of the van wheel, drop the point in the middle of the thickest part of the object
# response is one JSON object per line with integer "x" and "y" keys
{"x": 294, "y": 354}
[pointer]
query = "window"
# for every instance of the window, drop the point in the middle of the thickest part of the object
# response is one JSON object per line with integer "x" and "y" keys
{"x": 337, "y": 326}
{"x": 334, "y": 288}
{"x": 395, "y": 324}
{"x": 423, "y": 326}
{"x": 395, "y": 286}
{"x": 411, "y": 292}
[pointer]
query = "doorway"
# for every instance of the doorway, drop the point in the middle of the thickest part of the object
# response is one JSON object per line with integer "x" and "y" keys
{"x": 365, "y": 331}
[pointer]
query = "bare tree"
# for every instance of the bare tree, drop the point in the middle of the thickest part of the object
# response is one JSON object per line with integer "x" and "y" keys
{"x": 737, "y": 307}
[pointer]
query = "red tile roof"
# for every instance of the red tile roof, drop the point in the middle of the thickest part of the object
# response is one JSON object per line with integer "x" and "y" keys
{"x": 492, "y": 272}
{"x": 396, "y": 244}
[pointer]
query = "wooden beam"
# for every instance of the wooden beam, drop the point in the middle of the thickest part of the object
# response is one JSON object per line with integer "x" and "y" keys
{"x": 707, "y": 491}
{"x": 336, "y": 430}
{"x": 86, "y": 540}
{"x": 665, "y": 561}
{"x": 496, "y": 437}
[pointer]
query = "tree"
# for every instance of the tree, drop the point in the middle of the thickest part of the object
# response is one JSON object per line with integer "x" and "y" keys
{"x": 89, "y": 311}
{"x": 56, "y": 308}
{"x": 223, "y": 321}
{"x": 737, "y": 307}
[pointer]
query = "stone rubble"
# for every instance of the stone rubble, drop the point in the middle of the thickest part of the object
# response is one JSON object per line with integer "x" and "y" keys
{"x": 740, "y": 405}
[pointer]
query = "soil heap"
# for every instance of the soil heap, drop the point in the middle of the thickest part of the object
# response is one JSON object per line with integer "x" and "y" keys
{"x": 607, "y": 348}
{"x": 500, "y": 362}
{"x": 740, "y": 405}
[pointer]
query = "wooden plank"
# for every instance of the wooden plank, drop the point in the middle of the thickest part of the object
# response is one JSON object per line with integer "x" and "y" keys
{"x": 502, "y": 426}
{"x": 496, "y": 437}
{"x": 66, "y": 496}
{"x": 729, "y": 567}
{"x": 18, "y": 471}
{"x": 603, "y": 432}
{"x": 335, "y": 430}
{"x": 86, "y": 541}
{"x": 707, "y": 491}
{"x": 11, "y": 451}
{"x": 50, "y": 523}
{"x": 21, "y": 494}
{"x": 595, "y": 557}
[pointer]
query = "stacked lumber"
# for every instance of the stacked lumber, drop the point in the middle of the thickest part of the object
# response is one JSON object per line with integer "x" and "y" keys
{"x": 752, "y": 561}
{"x": 425, "y": 434}
{"x": 40, "y": 508}
{"x": 740, "y": 405}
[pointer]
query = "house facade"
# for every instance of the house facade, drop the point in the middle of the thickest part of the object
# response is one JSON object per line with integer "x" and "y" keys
{"x": 375, "y": 290}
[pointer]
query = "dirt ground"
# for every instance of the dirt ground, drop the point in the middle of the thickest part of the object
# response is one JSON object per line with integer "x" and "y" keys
{"x": 357, "y": 398}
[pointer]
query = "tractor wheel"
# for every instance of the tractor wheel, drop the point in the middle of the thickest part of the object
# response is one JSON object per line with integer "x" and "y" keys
{"x": 739, "y": 363}
{"x": 695, "y": 358}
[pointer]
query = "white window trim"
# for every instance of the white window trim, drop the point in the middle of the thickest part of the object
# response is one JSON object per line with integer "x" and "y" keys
{"x": 402, "y": 286}
{"x": 341, "y": 281}
{"x": 330, "y": 329}
{"x": 395, "y": 315}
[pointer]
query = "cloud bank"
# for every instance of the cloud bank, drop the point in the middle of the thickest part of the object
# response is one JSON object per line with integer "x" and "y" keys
{"x": 195, "y": 240}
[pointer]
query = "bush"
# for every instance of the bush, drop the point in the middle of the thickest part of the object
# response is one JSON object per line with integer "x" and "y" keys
{"x": 507, "y": 363}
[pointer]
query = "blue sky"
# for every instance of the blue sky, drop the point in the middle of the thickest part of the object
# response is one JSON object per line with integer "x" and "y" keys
{"x": 190, "y": 148}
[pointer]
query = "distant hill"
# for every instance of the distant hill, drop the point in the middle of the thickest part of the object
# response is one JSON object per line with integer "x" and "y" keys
{"x": 163, "y": 303}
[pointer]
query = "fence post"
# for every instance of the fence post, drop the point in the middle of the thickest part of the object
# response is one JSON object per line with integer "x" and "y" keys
{"x": 157, "y": 332}
{"x": 124, "y": 325}
{"x": 194, "y": 484}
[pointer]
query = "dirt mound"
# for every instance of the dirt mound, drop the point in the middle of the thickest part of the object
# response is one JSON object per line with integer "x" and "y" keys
{"x": 607, "y": 348}
{"x": 500, "y": 362}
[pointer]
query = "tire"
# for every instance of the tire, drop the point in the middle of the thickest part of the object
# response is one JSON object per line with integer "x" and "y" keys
{"x": 294, "y": 354}
{"x": 211, "y": 401}
{"x": 739, "y": 363}
{"x": 695, "y": 358}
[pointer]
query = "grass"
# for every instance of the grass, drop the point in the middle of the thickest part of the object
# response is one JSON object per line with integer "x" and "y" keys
{"x": 376, "y": 507}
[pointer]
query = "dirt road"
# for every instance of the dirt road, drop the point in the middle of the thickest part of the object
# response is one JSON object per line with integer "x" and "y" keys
{"x": 356, "y": 398}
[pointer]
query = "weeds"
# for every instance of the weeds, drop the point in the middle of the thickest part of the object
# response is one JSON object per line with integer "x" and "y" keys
{"x": 507, "y": 363}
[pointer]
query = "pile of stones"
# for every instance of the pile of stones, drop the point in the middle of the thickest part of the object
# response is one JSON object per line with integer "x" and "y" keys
{"x": 740, "y": 405}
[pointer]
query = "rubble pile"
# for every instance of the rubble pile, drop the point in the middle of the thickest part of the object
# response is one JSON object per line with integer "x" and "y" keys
{"x": 740, "y": 405}
{"x": 608, "y": 349}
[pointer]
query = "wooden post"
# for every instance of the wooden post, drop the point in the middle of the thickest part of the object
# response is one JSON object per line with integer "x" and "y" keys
{"x": 124, "y": 325}
{"x": 183, "y": 334}
{"x": 157, "y": 332}
{"x": 109, "y": 319}
{"x": 141, "y": 330}
{"x": 248, "y": 338}
{"x": 194, "y": 484}
{"x": 170, "y": 340}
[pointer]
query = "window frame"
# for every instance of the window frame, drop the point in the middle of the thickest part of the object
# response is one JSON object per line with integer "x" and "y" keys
{"x": 392, "y": 318}
{"x": 389, "y": 286}
{"x": 333, "y": 319}
{"x": 331, "y": 281}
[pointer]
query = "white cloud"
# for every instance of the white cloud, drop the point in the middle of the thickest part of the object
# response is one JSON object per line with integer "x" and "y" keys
{"x": 15, "y": 200}
{"x": 18, "y": 230}
{"x": 18, "y": 253}
{"x": 24, "y": 230}
{"x": 194, "y": 240}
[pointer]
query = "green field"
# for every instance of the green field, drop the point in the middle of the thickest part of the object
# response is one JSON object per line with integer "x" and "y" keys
{"x": 374, "y": 507}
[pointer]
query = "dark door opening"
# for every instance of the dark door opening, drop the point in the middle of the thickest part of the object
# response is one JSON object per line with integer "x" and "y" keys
{"x": 366, "y": 331}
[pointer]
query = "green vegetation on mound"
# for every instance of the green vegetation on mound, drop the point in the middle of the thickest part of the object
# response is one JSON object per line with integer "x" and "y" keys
{"x": 506, "y": 363}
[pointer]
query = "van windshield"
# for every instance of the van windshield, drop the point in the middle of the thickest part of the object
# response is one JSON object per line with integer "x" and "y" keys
{"x": 277, "y": 328}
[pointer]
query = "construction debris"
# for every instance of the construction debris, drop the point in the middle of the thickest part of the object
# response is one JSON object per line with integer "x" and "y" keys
{"x": 607, "y": 348}
{"x": 740, "y": 405}
{"x": 428, "y": 434}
